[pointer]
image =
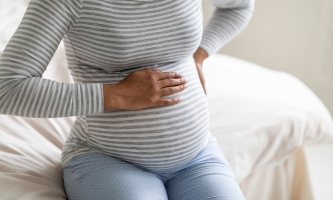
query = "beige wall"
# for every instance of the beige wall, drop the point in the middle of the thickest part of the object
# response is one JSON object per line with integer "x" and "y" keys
{"x": 295, "y": 36}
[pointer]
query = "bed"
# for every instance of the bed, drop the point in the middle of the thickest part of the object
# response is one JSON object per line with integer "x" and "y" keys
{"x": 261, "y": 119}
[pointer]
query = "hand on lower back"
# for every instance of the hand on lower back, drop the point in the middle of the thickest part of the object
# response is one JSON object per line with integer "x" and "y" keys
{"x": 143, "y": 89}
{"x": 199, "y": 56}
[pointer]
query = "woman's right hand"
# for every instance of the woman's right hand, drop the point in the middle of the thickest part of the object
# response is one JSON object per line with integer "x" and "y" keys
{"x": 143, "y": 89}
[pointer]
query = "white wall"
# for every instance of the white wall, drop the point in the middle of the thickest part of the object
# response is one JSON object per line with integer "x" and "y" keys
{"x": 295, "y": 36}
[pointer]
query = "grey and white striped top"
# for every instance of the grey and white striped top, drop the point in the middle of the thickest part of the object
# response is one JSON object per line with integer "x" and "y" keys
{"x": 105, "y": 40}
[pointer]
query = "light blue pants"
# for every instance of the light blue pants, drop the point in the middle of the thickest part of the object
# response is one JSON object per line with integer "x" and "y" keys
{"x": 98, "y": 176}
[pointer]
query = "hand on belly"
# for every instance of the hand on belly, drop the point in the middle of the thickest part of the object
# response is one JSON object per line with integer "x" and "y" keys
{"x": 143, "y": 89}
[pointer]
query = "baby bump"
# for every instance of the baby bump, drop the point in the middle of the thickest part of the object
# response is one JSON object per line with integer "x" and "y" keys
{"x": 156, "y": 137}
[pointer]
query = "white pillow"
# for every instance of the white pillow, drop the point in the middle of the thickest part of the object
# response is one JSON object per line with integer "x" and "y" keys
{"x": 260, "y": 116}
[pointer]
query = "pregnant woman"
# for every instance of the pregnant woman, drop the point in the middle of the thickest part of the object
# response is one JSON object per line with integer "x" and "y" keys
{"x": 142, "y": 127}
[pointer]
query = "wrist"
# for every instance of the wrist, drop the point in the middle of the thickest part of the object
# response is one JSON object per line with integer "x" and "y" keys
{"x": 110, "y": 96}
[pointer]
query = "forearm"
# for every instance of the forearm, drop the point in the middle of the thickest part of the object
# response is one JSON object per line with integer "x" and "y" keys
{"x": 111, "y": 100}
{"x": 42, "y": 98}
{"x": 228, "y": 20}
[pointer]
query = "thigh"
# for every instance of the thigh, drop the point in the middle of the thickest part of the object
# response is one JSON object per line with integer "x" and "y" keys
{"x": 99, "y": 176}
{"x": 208, "y": 176}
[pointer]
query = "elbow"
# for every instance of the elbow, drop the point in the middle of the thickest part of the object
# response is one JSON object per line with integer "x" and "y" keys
{"x": 11, "y": 74}
{"x": 250, "y": 6}
{"x": 6, "y": 86}
{"x": 250, "y": 9}
{"x": 9, "y": 84}
{"x": 247, "y": 5}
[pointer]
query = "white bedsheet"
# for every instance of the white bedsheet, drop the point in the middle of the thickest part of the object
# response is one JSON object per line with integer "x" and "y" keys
{"x": 261, "y": 116}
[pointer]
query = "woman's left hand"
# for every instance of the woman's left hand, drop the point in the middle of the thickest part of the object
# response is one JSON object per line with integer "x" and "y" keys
{"x": 199, "y": 56}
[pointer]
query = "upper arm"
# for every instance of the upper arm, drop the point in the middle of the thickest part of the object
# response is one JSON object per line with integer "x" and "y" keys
{"x": 38, "y": 36}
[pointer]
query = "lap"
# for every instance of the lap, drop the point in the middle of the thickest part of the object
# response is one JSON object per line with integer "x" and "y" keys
{"x": 99, "y": 176}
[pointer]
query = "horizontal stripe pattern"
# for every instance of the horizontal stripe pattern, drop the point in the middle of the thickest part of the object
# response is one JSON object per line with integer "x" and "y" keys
{"x": 228, "y": 20}
{"x": 23, "y": 91}
{"x": 104, "y": 42}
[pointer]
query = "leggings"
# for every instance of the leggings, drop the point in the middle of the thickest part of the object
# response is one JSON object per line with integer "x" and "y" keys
{"x": 96, "y": 176}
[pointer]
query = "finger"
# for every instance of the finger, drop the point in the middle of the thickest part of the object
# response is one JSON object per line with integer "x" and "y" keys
{"x": 172, "y": 82}
{"x": 200, "y": 72}
{"x": 164, "y": 75}
{"x": 204, "y": 87}
{"x": 202, "y": 80}
{"x": 172, "y": 90}
{"x": 201, "y": 77}
{"x": 167, "y": 102}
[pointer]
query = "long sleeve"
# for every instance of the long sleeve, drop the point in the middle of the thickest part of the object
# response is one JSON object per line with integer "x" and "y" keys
{"x": 23, "y": 91}
{"x": 229, "y": 19}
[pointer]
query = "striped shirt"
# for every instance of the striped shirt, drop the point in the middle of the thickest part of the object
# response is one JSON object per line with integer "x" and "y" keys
{"x": 105, "y": 40}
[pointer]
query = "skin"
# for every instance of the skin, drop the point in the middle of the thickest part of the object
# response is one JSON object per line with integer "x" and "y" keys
{"x": 199, "y": 56}
{"x": 144, "y": 88}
